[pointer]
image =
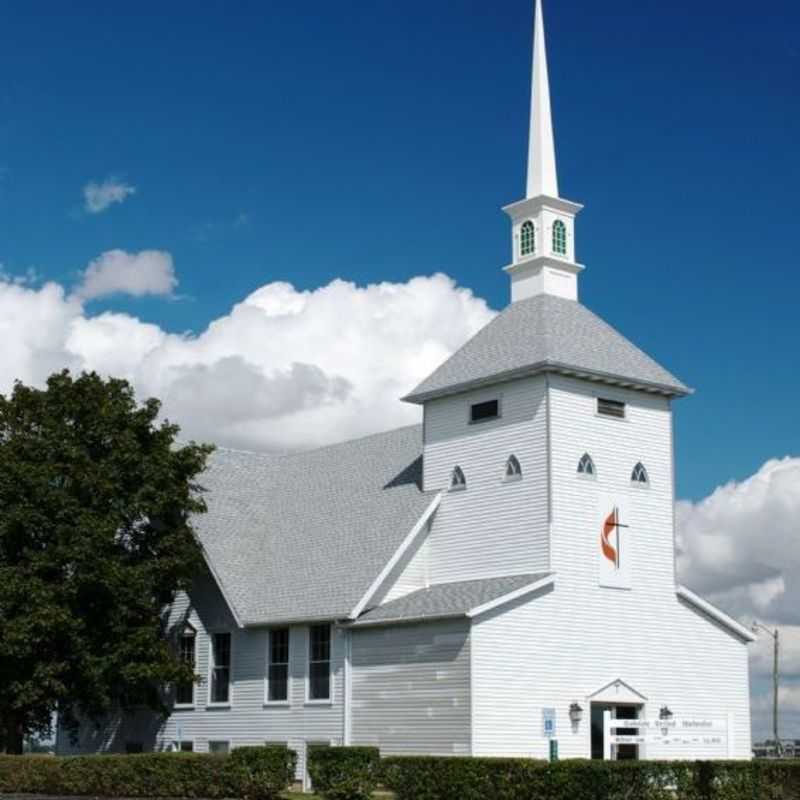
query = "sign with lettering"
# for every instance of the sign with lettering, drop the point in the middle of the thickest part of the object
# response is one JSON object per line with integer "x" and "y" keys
{"x": 707, "y": 731}
{"x": 674, "y": 725}
{"x": 548, "y": 722}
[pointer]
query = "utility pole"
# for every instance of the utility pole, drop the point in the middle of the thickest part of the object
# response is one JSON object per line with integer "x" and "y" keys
{"x": 775, "y": 634}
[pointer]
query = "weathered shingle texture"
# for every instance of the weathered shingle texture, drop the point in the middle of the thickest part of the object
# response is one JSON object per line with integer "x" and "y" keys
{"x": 445, "y": 600}
{"x": 541, "y": 333}
{"x": 303, "y": 536}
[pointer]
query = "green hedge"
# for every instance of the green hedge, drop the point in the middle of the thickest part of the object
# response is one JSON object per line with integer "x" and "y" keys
{"x": 344, "y": 773}
{"x": 413, "y": 778}
{"x": 255, "y": 773}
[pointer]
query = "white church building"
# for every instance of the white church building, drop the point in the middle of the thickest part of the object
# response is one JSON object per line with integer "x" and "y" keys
{"x": 487, "y": 583}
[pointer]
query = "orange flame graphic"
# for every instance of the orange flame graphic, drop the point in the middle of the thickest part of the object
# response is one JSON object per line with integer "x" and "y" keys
{"x": 609, "y": 551}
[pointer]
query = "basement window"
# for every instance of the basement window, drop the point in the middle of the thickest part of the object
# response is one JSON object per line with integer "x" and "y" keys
{"x": 610, "y": 408}
{"x": 483, "y": 412}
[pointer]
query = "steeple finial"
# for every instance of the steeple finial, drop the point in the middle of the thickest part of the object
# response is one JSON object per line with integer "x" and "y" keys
{"x": 542, "y": 176}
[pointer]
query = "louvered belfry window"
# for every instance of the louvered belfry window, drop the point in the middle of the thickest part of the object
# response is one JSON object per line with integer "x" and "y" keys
{"x": 559, "y": 238}
{"x": 527, "y": 239}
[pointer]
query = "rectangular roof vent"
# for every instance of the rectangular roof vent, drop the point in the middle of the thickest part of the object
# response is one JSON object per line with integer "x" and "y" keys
{"x": 610, "y": 408}
{"x": 483, "y": 412}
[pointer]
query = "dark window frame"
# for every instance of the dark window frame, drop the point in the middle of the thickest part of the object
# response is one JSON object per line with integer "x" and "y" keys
{"x": 278, "y": 666}
{"x": 186, "y": 690}
{"x": 320, "y": 640}
{"x": 221, "y": 668}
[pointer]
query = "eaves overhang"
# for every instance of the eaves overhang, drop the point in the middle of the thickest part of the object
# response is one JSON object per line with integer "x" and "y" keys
{"x": 667, "y": 390}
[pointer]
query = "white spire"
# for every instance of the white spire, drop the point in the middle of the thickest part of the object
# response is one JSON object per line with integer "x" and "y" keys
{"x": 542, "y": 177}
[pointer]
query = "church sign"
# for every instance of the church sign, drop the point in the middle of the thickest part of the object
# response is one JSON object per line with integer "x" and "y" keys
{"x": 706, "y": 731}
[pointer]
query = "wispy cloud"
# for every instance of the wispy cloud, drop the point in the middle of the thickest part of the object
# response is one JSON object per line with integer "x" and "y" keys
{"x": 99, "y": 197}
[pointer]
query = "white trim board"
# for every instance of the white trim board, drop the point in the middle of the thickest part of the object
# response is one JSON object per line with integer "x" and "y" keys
{"x": 394, "y": 560}
{"x": 511, "y": 596}
{"x": 715, "y": 613}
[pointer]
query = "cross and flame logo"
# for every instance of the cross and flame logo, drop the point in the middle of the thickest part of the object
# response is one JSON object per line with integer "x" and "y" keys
{"x": 611, "y": 524}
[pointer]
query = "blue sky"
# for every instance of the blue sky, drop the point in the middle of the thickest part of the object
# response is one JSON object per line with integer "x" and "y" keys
{"x": 377, "y": 141}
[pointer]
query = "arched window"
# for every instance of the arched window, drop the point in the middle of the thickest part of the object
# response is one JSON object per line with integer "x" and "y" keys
{"x": 513, "y": 468}
{"x": 639, "y": 474}
{"x": 586, "y": 465}
{"x": 559, "y": 238}
{"x": 527, "y": 239}
{"x": 457, "y": 480}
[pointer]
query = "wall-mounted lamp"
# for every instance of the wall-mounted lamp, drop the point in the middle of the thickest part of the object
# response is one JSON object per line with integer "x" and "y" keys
{"x": 575, "y": 714}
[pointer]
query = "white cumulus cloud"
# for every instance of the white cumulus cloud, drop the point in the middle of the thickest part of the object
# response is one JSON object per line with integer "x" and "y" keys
{"x": 149, "y": 272}
{"x": 740, "y": 547}
{"x": 284, "y": 369}
{"x": 98, "y": 197}
{"x": 742, "y": 543}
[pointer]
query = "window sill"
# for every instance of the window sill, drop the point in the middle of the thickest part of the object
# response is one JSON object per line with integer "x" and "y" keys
{"x": 277, "y": 704}
{"x": 220, "y": 706}
{"x": 609, "y": 416}
{"x": 183, "y": 707}
{"x": 512, "y": 479}
{"x": 585, "y": 476}
{"x": 457, "y": 489}
{"x": 318, "y": 703}
{"x": 640, "y": 485}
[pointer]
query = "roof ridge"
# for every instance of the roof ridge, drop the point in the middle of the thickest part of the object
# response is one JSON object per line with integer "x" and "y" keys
{"x": 219, "y": 448}
{"x": 363, "y": 438}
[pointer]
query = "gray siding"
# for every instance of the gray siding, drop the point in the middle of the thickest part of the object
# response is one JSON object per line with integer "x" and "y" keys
{"x": 411, "y": 688}
{"x": 248, "y": 721}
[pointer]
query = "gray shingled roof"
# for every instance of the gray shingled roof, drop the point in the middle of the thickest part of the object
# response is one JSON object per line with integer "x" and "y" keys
{"x": 546, "y": 333}
{"x": 303, "y": 536}
{"x": 445, "y": 600}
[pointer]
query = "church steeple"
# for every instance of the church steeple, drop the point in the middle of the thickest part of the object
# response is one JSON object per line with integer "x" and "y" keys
{"x": 542, "y": 174}
{"x": 543, "y": 224}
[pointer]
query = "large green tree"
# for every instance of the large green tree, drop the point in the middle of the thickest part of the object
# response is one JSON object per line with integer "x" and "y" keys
{"x": 96, "y": 500}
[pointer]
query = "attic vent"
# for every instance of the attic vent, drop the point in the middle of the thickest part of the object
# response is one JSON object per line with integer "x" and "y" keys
{"x": 482, "y": 412}
{"x": 610, "y": 408}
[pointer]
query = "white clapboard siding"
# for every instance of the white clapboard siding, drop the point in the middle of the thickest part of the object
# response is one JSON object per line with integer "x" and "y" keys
{"x": 554, "y": 650}
{"x": 411, "y": 692}
{"x": 494, "y": 527}
{"x": 563, "y": 646}
{"x": 248, "y": 721}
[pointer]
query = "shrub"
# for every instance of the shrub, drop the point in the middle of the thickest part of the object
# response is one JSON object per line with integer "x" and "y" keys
{"x": 344, "y": 773}
{"x": 263, "y": 772}
{"x": 254, "y": 773}
{"x": 428, "y": 778}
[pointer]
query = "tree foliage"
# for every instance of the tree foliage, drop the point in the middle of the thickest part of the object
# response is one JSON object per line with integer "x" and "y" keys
{"x": 96, "y": 499}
